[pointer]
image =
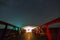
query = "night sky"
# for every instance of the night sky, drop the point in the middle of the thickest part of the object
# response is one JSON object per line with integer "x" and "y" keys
{"x": 29, "y": 12}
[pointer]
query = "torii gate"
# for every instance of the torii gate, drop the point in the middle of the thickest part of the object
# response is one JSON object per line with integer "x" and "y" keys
{"x": 47, "y": 29}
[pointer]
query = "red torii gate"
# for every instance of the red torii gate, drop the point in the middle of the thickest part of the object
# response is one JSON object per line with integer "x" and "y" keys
{"x": 47, "y": 29}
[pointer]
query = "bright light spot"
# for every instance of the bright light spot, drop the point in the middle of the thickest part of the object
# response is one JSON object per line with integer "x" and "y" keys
{"x": 29, "y": 28}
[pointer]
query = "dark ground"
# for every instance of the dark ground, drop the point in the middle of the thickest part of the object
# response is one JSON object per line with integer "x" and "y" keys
{"x": 14, "y": 35}
{"x": 32, "y": 36}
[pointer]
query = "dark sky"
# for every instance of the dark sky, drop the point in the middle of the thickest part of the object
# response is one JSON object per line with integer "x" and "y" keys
{"x": 29, "y": 12}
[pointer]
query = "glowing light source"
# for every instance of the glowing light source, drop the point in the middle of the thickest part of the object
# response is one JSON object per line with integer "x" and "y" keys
{"x": 29, "y": 28}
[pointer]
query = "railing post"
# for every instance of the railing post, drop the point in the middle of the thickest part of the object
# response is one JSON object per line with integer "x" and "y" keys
{"x": 4, "y": 32}
{"x": 48, "y": 33}
{"x": 58, "y": 36}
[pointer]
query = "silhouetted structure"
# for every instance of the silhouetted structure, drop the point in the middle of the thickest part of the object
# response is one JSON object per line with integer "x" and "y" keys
{"x": 48, "y": 33}
{"x": 8, "y": 33}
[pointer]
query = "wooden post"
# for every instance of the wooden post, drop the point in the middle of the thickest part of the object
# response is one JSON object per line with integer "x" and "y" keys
{"x": 48, "y": 33}
{"x": 58, "y": 37}
{"x": 4, "y": 32}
